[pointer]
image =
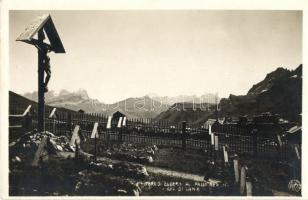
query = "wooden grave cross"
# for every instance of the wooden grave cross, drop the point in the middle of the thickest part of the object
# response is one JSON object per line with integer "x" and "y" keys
{"x": 297, "y": 153}
{"x": 225, "y": 154}
{"x": 236, "y": 170}
{"x": 39, "y": 152}
{"x": 75, "y": 137}
{"x": 95, "y": 136}
{"x": 243, "y": 180}
{"x": 109, "y": 122}
{"x": 53, "y": 115}
{"x": 27, "y": 110}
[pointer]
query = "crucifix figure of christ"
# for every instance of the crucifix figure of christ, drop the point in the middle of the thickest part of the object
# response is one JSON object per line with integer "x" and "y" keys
{"x": 44, "y": 49}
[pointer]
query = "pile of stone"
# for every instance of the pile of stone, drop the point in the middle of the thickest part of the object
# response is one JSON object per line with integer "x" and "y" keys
{"x": 110, "y": 178}
{"x": 27, "y": 145}
{"x": 99, "y": 184}
{"x": 131, "y": 153}
{"x": 136, "y": 171}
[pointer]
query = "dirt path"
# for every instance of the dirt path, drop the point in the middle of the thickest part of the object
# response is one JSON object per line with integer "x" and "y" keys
{"x": 167, "y": 172}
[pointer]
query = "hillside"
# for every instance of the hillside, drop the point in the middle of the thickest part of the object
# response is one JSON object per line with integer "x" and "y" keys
{"x": 279, "y": 93}
{"x": 189, "y": 112}
{"x": 18, "y": 104}
{"x": 141, "y": 107}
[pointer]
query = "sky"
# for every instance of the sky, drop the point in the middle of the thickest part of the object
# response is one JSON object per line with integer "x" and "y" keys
{"x": 119, "y": 54}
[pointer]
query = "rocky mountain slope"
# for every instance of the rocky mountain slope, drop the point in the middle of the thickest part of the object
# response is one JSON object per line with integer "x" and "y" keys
{"x": 279, "y": 93}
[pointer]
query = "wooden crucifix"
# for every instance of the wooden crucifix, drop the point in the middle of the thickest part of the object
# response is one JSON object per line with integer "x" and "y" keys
{"x": 43, "y": 26}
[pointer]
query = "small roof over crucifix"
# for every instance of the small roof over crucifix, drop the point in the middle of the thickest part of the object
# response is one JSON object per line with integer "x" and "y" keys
{"x": 43, "y": 22}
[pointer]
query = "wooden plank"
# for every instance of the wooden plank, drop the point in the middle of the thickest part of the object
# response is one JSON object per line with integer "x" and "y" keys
{"x": 225, "y": 154}
{"x": 120, "y": 122}
{"x": 109, "y": 122}
{"x": 210, "y": 129}
{"x": 279, "y": 140}
{"x": 243, "y": 180}
{"x": 248, "y": 188}
{"x": 27, "y": 111}
{"x": 43, "y": 22}
{"x": 216, "y": 143}
{"x": 40, "y": 150}
{"x": 33, "y": 28}
{"x": 236, "y": 171}
{"x": 124, "y": 121}
{"x": 297, "y": 153}
{"x": 94, "y": 133}
{"x": 53, "y": 112}
{"x": 75, "y": 136}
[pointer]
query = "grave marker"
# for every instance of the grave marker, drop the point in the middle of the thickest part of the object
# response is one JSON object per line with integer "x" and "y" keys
{"x": 94, "y": 133}
{"x": 53, "y": 116}
{"x": 297, "y": 153}
{"x": 39, "y": 152}
{"x": 210, "y": 129}
{"x": 53, "y": 113}
{"x": 124, "y": 121}
{"x": 248, "y": 188}
{"x": 236, "y": 171}
{"x": 216, "y": 142}
{"x": 120, "y": 122}
{"x": 109, "y": 122}
{"x": 27, "y": 111}
{"x": 212, "y": 138}
{"x": 225, "y": 154}
{"x": 75, "y": 136}
{"x": 279, "y": 140}
{"x": 243, "y": 180}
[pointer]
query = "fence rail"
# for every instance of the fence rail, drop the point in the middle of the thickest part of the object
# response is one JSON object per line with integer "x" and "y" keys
{"x": 150, "y": 131}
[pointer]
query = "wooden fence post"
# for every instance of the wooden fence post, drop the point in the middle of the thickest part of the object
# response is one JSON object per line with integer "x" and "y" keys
{"x": 27, "y": 123}
{"x": 279, "y": 146}
{"x": 69, "y": 122}
{"x": 255, "y": 142}
{"x": 184, "y": 135}
{"x": 120, "y": 130}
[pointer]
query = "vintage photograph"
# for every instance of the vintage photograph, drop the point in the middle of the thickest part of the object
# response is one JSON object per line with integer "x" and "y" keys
{"x": 155, "y": 102}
